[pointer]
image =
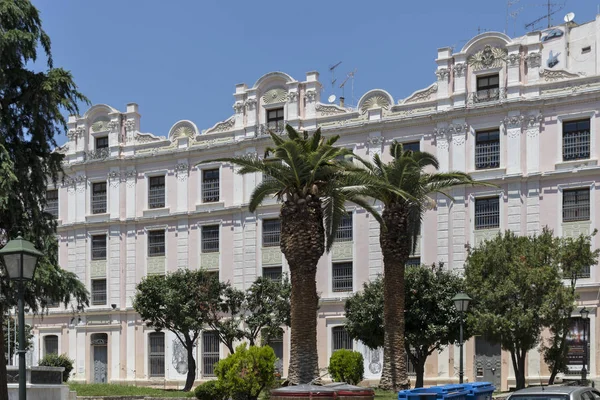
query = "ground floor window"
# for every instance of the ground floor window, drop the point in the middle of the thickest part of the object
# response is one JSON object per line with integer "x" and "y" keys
{"x": 341, "y": 339}
{"x": 156, "y": 354}
{"x": 50, "y": 344}
{"x": 210, "y": 352}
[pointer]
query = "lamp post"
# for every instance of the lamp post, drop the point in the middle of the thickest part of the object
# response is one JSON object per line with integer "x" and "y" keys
{"x": 461, "y": 302}
{"x": 19, "y": 257}
{"x": 584, "y": 317}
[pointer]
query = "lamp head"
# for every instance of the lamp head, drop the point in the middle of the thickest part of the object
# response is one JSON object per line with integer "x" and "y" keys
{"x": 461, "y": 302}
{"x": 20, "y": 256}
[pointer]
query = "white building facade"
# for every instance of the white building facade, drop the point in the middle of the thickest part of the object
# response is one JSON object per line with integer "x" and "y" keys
{"x": 521, "y": 113}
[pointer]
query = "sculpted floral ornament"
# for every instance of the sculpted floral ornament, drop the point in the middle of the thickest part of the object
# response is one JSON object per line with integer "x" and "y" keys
{"x": 311, "y": 95}
{"x": 238, "y": 106}
{"x": 75, "y": 133}
{"x": 327, "y": 110}
{"x": 514, "y": 121}
{"x": 181, "y": 171}
{"x": 534, "y": 60}
{"x": 442, "y": 74}
{"x": 422, "y": 95}
{"x": 376, "y": 140}
{"x": 292, "y": 97}
{"x": 514, "y": 60}
{"x": 375, "y": 101}
{"x": 274, "y": 96}
{"x": 113, "y": 125}
{"x": 100, "y": 125}
{"x": 459, "y": 139}
{"x": 442, "y": 143}
{"x": 555, "y": 75}
{"x": 223, "y": 126}
{"x": 488, "y": 57}
{"x": 250, "y": 104}
{"x": 459, "y": 69}
{"x": 129, "y": 125}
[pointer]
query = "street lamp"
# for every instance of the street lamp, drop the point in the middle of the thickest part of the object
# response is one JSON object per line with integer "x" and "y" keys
{"x": 19, "y": 257}
{"x": 584, "y": 317}
{"x": 461, "y": 302}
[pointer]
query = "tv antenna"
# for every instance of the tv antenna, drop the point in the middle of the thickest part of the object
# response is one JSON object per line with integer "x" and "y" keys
{"x": 551, "y": 11}
{"x": 349, "y": 76}
{"x": 512, "y": 14}
{"x": 332, "y": 70}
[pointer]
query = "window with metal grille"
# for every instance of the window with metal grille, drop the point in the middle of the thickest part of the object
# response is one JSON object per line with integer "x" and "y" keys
{"x": 340, "y": 338}
{"x": 488, "y": 88}
{"x": 52, "y": 203}
{"x": 213, "y": 274}
{"x": 98, "y": 292}
{"x": 412, "y": 146}
{"x": 576, "y": 139}
{"x": 275, "y": 119}
{"x": 487, "y": 149}
{"x": 50, "y": 344}
{"x": 271, "y": 232}
{"x": 210, "y": 185}
{"x": 210, "y": 239}
{"x": 156, "y": 243}
{"x": 344, "y": 232}
{"x": 156, "y": 192}
{"x": 273, "y": 273}
{"x": 210, "y": 352}
{"x": 99, "y": 247}
{"x": 99, "y": 198}
{"x": 276, "y": 343}
{"x": 101, "y": 142}
{"x": 413, "y": 262}
{"x": 576, "y": 205}
{"x": 487, "y": 213}
{"x": 156, "y": 354}
{"x": 342, "y": 277}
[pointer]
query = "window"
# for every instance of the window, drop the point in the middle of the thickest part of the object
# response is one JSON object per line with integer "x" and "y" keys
{"x": 413, "y": 262}
{"x": 99, "y": 198}
{"x": 156, "y": 192}
{"x": 271, "y": 232}
{"x": 273, "y": 273}
{"x": 210, "y": 239}
{"x": 275, "y": 119}
{"x": 156, "y": 243}
{"x": 276, "y": 343}
{"x": 342, "y": 277}
{"x": 487, "y": 213}
{"x": 487, "y": 149}
{"x": 156, "y": 354}
{"x": 344, "y": 232}
{"x": 210, "y": 352}
{"x": 576, "y": 205}
{"x": 98, "y": 292}
{"x": 210, "y": 185}
{"x": 412, "y": 146}
{"x": 99, "y": 247}
{"x": 341, "y": 339}
{"x": 52, "y": 203}
{"x": 586, "y": 49}
{"x": 50, "y": 344}
{"x": 102, "y": 142}
{"x": 488, "y": 88}
{"x": 213, "y": 274}
{"x": 576, "y": 140}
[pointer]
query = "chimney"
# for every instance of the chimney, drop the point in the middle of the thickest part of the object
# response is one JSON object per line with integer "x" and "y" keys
{"x": 341, "y": 101}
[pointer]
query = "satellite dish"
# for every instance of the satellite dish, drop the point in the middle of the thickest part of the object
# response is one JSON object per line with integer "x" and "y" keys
{"x": 569, "y": 17}
{"x": 331, "y": 98}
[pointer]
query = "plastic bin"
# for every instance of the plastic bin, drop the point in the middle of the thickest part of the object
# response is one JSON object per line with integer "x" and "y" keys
{"x": 479, "y": 390}
{"x": 303, "y": 392}
{"x": 417, "y": 394}
{"x": 345, "y": 391}
{"x": 446, "y": 392}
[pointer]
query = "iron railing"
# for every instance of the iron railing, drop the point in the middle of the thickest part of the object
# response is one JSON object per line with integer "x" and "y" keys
{"x": 156, "y": 354}
{"x": 486, "y": 96}
{"x": 156, "y": 243}
{"x": 271, "y": 232}
{"x": 487, "y": 155}
{"x": 210, "y": 186}
{"x": 340, "y": 339}
{"x": 273, "y": 273}
{"x": 99, "y": 247}
{"x": 99, "y": 198}
{"x": 98, "y": 154}
{"x": 487, "y": 213}
{"x": 576, "y": 145}
{"x": 210, "y": 353}
{"x": 342, "y": 277}
{"x": 576, "y": 205}
{"x": 277, "y": 127}
{"x": 98, "y": 292}
{"x": 344, "y": 232}
{"x": 210, "y": 239}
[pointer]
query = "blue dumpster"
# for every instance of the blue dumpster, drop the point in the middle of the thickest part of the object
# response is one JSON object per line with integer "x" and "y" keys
{"x": 479, "y": 390}
{"x": 417, "y": 394}
{"x": 446, "y": 392}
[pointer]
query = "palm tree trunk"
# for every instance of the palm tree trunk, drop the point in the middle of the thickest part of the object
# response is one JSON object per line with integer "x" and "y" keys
{"x": 303, "y": 244}
{"x": 395, "y": 244}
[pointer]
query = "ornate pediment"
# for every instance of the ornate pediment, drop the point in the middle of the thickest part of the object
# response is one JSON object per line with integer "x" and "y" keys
{"x": 277, "y": 95}
{"x": 488, "y": 57}
{"x": 421, "y": 95}
{"x": 222, "y": 126}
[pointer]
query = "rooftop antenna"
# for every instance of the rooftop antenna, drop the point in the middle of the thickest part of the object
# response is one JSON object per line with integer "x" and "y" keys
{"x": 511, "y": 14}
{"x": 332, "y": 70}
{"x": 551, "y": 11}
{"x": 349, "y": 76}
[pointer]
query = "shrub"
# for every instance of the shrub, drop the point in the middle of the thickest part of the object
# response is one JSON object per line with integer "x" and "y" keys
{"x": 209, "y": 391}
{"x": 55, "y": 360}
{"x": 347, "y": 366}
{"x": 245, "y": 373}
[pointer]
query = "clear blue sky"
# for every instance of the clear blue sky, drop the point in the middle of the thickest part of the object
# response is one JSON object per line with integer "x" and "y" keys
{"x": 181, "y": 59}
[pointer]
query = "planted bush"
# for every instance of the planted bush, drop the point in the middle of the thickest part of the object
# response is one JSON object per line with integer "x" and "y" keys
{"x": 347, "y": 366}
{"x": 55, "y": 360}
{"x": 245, "y": 373}
{"x": 210, "y": 391}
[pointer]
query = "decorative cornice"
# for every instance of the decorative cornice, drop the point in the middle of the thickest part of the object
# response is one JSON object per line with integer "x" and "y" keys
{"x": 222, "y": 126}
{"x": 533, "y": 120}
{"x": 238, "y": 106}
{"x": 422, "y": 95}
{"x": 311, "y": 95}
{"x": 488, "y": 57}
{"x": 534, "y": 60}
{"x": 442, "y": 74}
{"x": 550, "y": 75}
{"x": 459, "y": 69}
{"x": 331, "y": 109}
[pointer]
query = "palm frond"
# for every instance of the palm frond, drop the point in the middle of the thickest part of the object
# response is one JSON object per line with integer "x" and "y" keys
{"x": 264, "y": 189}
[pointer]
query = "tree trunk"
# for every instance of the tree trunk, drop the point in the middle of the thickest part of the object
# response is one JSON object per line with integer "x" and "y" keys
{"x": 303, "y": 244}
{"x": 518, "y": 360}
{"x": 3, "y": 377}
{"x": 563, "y": 350}
{"x": 191, "y": 374}
{"x": 395, "y": 244}
{"x": 420, "y": 371}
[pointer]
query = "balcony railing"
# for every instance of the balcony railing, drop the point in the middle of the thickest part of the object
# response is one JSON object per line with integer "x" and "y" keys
{"x": 486, "y": 96}
{"x": 98, "y": 154}
{"x": 278, "y": 128}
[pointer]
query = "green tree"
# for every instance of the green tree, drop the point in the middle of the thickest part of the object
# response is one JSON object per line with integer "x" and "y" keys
{"x": 180, "y": 302}
{"x": 32, "y": 104}
{"x": 10, "y": 322}
{"x": 432, "y": 321}
{"x": 307, "y": 180}
{"x": 404, "y": 186}
{"x": 575, "y": 257}
{"x": 514, "y": 281}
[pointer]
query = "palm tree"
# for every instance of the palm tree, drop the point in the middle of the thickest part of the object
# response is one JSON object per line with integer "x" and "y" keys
{"x": 308, "y": 182}
{"x": 403, "y": 186}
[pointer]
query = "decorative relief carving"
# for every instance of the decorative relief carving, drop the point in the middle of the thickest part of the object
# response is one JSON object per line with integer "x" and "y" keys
{"x": 146, "y": 138}
{"x": 574, "y": 229}
{"x": 534, "y": 120}
{"x": 331, "y": 109}
{"x": 422, "y": 95}
{"x": 481, "y": 235}
{"x": 442, "y": 143}
{"x": 342, "y": 251}
{"x": 100, "y": 125}
{"x": 292, "y": 97}
{"x": 209, "y": 261}
{"x": 182, "y": 171}
{"x": 311, "y": 95}
{"x": 533, "y": 60}
{"x": 130, "y": 177}
{"x": 459, "y": 69}
{"x": 514, "y": 121}
{"x": 250, "y": 104}
{"x": 223, "y": 126}
{"x": 183, "y": 130}
{"x": 114, "y": 178}
{"x": 76, "y": 133}
{"x": 550, "y": 75}
{"x": 442, "y": 74}
{"x": 130, "y": 125}
{"x": 514, "y": 60}
{"x": 113, "y": 125}
{"x": 375, "y": 140}
{"x": 80, "y": 183}
{"x": 155, "y": 265}
{"x": 375, "y": 101}
{"x": 277, "y": 95}
{"x": 238, "y": 106}
{"x": 271, "y": 256}
{"x": 459, "y": 139}
{"x": 488, "y": 57}
{"x": 98, "y": 268}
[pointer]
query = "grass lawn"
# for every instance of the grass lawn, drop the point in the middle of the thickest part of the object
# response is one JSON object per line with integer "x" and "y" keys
{"x": 100, "y": 389}
{"x": 382, "y": 395}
